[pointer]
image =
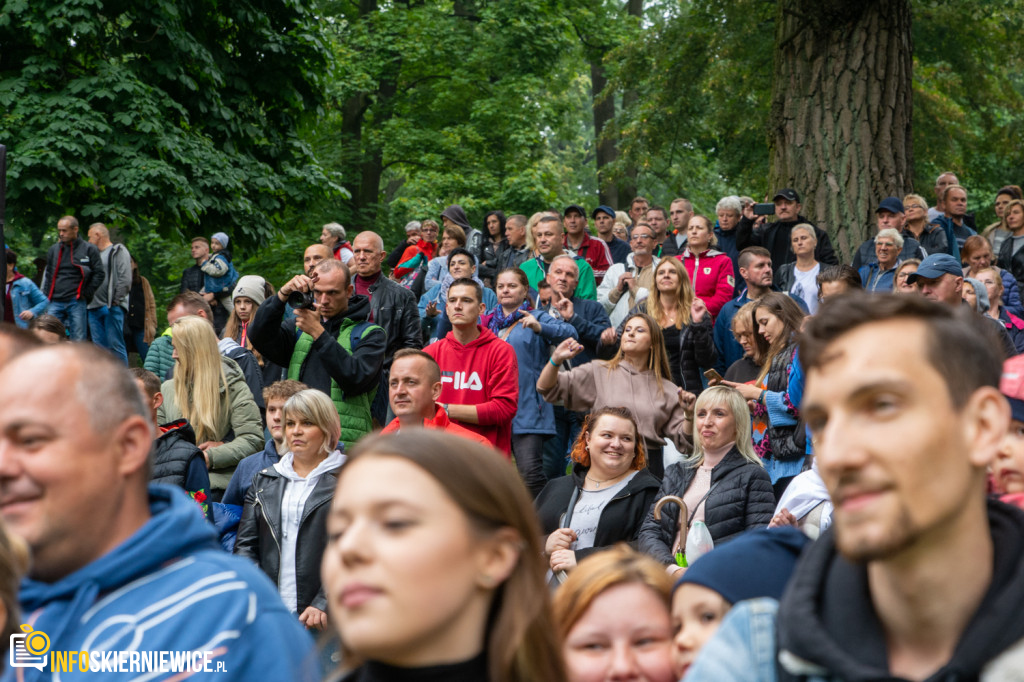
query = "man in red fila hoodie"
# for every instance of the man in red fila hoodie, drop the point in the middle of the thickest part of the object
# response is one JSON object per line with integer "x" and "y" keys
{"x": 479, "y": 371}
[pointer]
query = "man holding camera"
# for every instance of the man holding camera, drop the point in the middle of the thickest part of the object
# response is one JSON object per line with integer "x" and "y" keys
{"x": 330, "y": 346}
{"x": 774, "y": 236}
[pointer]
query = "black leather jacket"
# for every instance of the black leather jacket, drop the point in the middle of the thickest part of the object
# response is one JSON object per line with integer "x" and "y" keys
{"x": 394, "y": 308}
{"x": 259, "y": 533}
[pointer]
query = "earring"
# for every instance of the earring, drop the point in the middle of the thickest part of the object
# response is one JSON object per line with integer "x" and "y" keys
{"x": 487, "y": 580}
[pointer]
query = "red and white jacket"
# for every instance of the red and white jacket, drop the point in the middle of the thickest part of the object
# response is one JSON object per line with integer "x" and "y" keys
{"x": 484, "y": 373}
{"x": 595, "y": 252}
{"x": 712, "y": 274}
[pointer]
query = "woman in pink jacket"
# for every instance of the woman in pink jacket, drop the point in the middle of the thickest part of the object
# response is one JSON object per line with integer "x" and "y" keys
{"x": 710, "y": 271}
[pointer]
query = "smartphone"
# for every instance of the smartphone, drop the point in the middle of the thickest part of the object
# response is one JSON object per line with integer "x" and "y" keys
{"x": 712, "y": 374}
{"x": 764, "y": 209}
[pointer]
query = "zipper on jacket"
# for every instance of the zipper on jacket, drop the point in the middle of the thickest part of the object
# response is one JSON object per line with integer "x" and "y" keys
{"x": 263, "y": 511}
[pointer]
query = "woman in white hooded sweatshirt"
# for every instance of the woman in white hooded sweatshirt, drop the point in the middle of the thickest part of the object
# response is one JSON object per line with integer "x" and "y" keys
{"x": 283, "y": 526}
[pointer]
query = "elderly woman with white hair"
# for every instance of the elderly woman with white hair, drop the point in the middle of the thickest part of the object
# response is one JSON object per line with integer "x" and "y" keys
{"x": 800, "y": 277}
{"x": 878, "y": 277}
{"x": 333, "y": 237}
{"x": 729, "y": 211}
{"x": 284, "y": 519}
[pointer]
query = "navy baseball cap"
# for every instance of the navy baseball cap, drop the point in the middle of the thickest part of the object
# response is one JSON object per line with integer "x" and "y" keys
{"x": 936, "y": 265}
{"x": 575, "y": 207}
{"x": 890, "y": 204}
{"x": 603, "y": 209}
{"x": 787, "y": 193}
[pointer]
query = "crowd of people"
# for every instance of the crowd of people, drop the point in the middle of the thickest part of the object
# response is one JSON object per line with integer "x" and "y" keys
{"x": 675, "y": 446}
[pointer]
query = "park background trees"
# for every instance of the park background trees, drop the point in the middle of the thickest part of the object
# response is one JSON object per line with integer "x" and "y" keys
{"x": 266, "y": 118}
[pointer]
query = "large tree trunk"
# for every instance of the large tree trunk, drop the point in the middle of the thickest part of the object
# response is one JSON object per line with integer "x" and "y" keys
{"x": 606, "y": 152}
{"x": 841, "y": 110}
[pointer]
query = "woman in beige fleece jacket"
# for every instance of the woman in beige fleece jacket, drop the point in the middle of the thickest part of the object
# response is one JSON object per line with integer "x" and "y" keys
{"x": 635, "y": 379}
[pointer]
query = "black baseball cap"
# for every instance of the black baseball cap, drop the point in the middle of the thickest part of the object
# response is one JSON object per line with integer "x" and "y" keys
{"x": 787, "y": 193}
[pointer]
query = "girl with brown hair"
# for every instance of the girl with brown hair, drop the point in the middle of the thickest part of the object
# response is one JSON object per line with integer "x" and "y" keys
{"x": 636, "y": 378}
{"x": 434, "y": 567}
{"x": 779, "y": 437}
{"x": 685, "y": 324}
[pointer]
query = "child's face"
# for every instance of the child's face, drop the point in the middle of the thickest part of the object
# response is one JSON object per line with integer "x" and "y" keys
{"x": 697, "y": 611}
{"x": 1008, "y": 468}
{"x": 215, "y": 246}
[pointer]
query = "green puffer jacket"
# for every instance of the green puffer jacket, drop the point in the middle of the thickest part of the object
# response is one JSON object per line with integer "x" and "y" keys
{"x": 239, "y": 416}
{"x": 158, "y": 359}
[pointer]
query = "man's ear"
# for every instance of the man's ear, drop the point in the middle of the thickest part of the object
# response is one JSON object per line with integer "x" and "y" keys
{"x": 987, "y": 419}
{"x": 435, "y": 391}
{"x": 134, "y": 439}
{"x": 158, "y": 400}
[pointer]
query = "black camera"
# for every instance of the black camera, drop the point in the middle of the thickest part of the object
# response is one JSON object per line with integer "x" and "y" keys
{"x": 301, "y": 300}
{"x": 764, "y": 209}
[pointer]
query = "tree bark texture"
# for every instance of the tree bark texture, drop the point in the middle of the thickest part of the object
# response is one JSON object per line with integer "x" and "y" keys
{"x": 603, "y": 105}
{"x": 840, "y": 127}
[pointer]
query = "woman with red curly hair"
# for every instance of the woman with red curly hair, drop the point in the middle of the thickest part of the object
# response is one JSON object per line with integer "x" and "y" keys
{"x": 605, "y": 499}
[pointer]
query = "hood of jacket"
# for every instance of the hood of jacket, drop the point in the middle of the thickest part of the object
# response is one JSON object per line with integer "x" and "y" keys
{"x": 705, "y": 254}
{"x": 486, "y": 337}
{"x": 178, "y": 429}
{"x": 455, "y": 214}
{"x": 174, "y": 530}
{"x": 829, "y": 598}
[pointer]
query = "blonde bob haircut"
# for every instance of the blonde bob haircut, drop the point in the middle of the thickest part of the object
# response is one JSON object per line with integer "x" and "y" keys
{"x": 316, "y": 407}
{"x": 620, "y": 565}
{"x": 199, "y": 376}
{"x": 732, "y": 400}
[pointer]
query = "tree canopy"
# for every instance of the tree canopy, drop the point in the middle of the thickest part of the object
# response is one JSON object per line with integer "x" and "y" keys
{"x": 267, "y": 118}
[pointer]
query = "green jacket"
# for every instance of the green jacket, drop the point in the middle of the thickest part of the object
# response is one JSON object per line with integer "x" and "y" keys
{"x": 238, "y": 416}
{"x": 158, "y": 359}
{"x": 585, "y": 288}
{"x": 353, "y": 410}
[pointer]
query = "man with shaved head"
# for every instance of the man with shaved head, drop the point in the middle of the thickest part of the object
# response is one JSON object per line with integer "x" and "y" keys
{"x": 109, "y": 306}
{"x": 109, "y": 548}
{"x": 392, "y": 306}
{"x": 313, "y": 255}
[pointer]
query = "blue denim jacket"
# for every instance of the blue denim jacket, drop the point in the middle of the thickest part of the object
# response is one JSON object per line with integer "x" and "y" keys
{"x": 743, "y": 649}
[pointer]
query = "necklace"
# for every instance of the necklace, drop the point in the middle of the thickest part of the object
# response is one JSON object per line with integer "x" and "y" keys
{"x": 609, "y": 480}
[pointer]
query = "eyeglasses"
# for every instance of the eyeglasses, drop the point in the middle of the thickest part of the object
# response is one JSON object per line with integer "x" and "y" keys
{"x": 637, "y": 237}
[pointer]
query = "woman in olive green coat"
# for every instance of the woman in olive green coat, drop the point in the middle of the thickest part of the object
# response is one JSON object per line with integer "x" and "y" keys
{"x": 210, "y": 392}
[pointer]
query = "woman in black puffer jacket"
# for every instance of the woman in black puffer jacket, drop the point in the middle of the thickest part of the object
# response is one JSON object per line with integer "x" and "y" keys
{"x": 723, "y": 483}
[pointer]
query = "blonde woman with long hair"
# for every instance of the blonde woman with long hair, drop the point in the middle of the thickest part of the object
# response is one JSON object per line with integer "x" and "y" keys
{"x": 722, "y": 483}
{"x": 210, "y": 392}
{"x": 686, "y": 326}
{"x": 637, "y": 378}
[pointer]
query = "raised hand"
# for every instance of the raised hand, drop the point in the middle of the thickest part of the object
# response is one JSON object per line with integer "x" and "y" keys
{"x": 697, "y": 310}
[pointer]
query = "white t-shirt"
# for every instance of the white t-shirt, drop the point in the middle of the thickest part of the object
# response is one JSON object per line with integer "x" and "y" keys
{"x": 587, "y": 513}
{"x": 805, "y": 286}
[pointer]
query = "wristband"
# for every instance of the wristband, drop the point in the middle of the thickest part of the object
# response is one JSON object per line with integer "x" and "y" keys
{"x": 553, "y": 363}
{"x": 760, "y": 398}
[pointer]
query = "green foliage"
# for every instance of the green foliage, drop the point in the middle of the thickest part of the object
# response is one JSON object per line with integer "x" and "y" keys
{"x": 475, "y": 103}
{"x": 969, "y": 95}
{"x": 164, "y": 116}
